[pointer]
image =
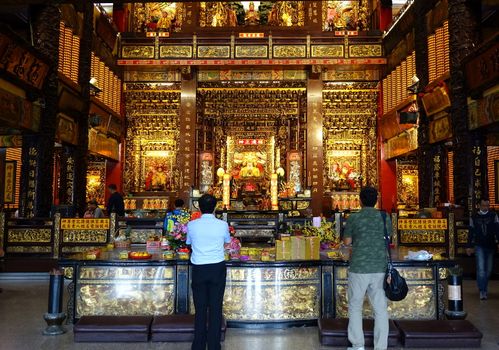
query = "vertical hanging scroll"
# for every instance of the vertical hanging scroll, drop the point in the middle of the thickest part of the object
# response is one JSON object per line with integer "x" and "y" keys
{"x": 315, "y": 143}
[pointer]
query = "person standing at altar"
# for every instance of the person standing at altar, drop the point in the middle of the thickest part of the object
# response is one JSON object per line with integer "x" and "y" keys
{"x": 207, "y": 237}
{"x": 176, "y": 215}
{"x": 115, "y": 204}
{"x": 93, "y": 210}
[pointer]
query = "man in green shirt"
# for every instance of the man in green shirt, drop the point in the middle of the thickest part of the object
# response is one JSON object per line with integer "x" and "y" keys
{"x": 364, "y": 232}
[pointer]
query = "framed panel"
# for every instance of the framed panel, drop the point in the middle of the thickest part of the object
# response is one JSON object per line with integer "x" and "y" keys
{"x": 175, "y": 51}
{"x": 9, "y": 194}
{"x": 250, "y": 51}
{"x": 214, "y": 51}
{"x": 291, "y": 51}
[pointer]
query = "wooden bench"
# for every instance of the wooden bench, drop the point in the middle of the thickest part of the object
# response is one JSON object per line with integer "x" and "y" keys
{"x": 334, "y": 332}
{"x": 112, "y": 329}
{"x": 440, "y": 334}
{"x": 176, "y": 328}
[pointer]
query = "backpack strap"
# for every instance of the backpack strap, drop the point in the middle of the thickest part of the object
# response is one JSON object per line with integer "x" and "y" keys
{"x": 387, "y": 239}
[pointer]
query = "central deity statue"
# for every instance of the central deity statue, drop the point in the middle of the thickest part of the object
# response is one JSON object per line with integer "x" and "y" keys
{"x": 252, "y": 16}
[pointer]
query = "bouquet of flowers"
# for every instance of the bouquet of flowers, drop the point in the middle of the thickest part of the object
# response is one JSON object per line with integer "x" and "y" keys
{"x": 177, "y": 236}
{"x": 234, "y": 247}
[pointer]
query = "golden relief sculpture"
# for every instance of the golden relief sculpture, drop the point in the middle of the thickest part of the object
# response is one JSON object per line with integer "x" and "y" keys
{"x": 125, "y": 291}
{"x": 29, "y": 235}
{"x": 350, "y": 143}
{"x": 327, "y": 51}
{"x": 289, "y": 51}
{"x": 366, "y": 50}
{"x": 345, "y": 15}
{"x": 213, "y": 51}
{"x": 419, "y": 303}
{"x": 462, "y": 235}
{"x": 159, "y": 16}
{"x": 415, "y": 236}
{"x": 151, "y": 153}
{"x": 175, "y": 51}
{"x": 84, "y": 236}
{"x": 249, "y": 51}
{"x": 137, "y": 51}
{"x": 407, "y": 185}
{"x": 272, "y": 294}
{"x": 248, "y": 13}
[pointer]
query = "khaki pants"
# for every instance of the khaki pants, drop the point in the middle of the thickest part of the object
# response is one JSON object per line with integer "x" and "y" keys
{"x": 358, "y": 285}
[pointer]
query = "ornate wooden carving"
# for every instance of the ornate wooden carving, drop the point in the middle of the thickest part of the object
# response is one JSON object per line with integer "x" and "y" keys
{"x": 464, "y": 19}
{"x": 46, "y": 39}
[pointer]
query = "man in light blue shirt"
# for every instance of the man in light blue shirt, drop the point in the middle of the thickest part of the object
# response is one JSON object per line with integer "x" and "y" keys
{"x": 207, "y": 236}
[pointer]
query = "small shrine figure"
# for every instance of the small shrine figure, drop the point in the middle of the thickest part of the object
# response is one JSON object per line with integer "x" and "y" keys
{"x": 164, "y": 22}
{"x": 252, "y": 16}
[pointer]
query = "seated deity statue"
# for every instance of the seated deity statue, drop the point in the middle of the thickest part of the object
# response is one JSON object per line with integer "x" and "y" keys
{"x": 159, "y": 179}
{"x": 249, "y": 170}
{"x": 252, "y": 16}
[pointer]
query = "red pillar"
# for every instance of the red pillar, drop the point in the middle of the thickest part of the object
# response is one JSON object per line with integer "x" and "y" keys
{"x": 120, "y": 17}
{"x": 385, "y": 14}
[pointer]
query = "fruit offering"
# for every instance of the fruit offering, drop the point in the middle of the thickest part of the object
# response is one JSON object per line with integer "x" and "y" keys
{"x": 139, "y": 255}
{"x": 183, "y": 253}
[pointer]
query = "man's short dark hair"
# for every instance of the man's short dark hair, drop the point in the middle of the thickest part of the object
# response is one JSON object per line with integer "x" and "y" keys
{"x": 112, "y": 187}
{"x": 179, "y": 203}
{"x": 207, "y": 203}
{"x": 484, "y": 200}
{"x": 368, "y": 196}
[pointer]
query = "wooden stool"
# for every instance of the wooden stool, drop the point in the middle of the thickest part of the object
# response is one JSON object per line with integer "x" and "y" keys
{"x": 334, "y": 332}
{"x": 176, "y": 328}
{"x": 440, "y": 334}
{"x": 112, "y": 329}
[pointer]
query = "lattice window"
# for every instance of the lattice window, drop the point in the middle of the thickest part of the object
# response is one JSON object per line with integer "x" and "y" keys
{"x": 69, "y": 53}
{"x": 492, "y": 157}
{"x": 108, "y": 82}
{"x": 438, "y": 52}
{"x": 395, "y": 84}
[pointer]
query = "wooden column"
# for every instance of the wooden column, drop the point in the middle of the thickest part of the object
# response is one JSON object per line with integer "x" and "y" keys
{"x": 464, "y": 20}
{"x": 315, "y": 161}
{"x": 424, "y": 153}
{"x": 186, "y": 157}
{"x": 81, "y": 151}
{"x": 38, "y": 150}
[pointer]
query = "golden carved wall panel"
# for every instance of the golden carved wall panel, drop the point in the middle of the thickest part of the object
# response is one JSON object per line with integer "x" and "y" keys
{"x": 137, "y": 290}
{"x": 137, "y": 51}
{"x": 147, "y": 76}
{"x": 252, "y": 51}
{"x": 420, "y": 302}
{"x": 326, "y": 51}
{"x": 213, "y": 51}
{"x": 349, "y": 135}
{"x": 29, "y": 249}
{"x": 350, "y": 75}
{"x": 29, "y": 235}
{"x": 407, "y": 185}
{"x": 152, "y": 112}
{"x": 289, "y": 51}
{"x": 86, "y": 236}
{"x": 366, "y": 50}
{"x": 272, "y": 294}
{"x": 175, "y": 51}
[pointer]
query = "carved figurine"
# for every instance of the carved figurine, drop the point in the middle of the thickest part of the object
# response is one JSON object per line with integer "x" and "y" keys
{"x": 252, "y": 16}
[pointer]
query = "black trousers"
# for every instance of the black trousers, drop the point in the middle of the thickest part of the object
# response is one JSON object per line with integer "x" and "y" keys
{"x": 208, "y": 286}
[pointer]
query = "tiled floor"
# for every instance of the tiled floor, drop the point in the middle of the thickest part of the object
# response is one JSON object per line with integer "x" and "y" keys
{"x": 23, "y": 303}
